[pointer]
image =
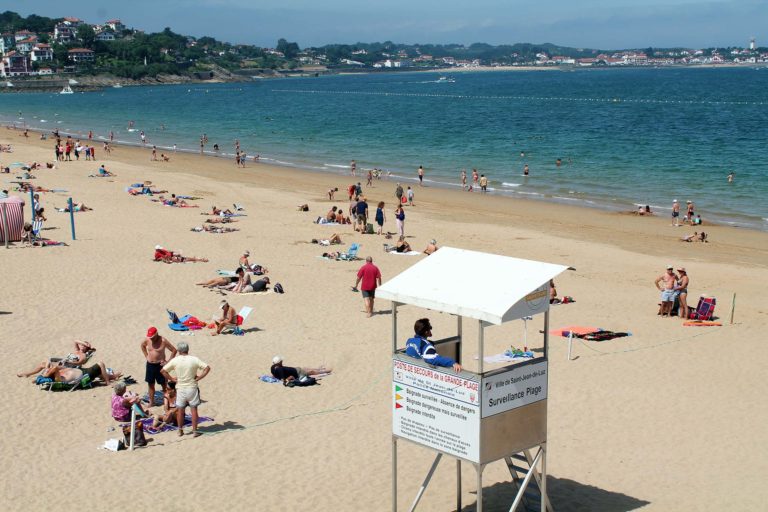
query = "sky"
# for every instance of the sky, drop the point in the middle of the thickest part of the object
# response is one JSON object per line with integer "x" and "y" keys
{"x": 604, "y": 24}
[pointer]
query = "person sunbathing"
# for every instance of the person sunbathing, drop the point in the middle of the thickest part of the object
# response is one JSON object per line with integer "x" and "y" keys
{"x": 61, "y": 373}
{"x": 167, "y": 256}
{"x": 103, "y": 172}
{"x": 332, "y": 255}
{"x": 228, "y": 318}
{"x": 173, "y": 201}
{"x": 220, "y": 282}
{"x": 402, "y": 245}
{"x": 123, "y": 401}
{"x": 219, "y": 220}
{"x": 334, "y": 239}
{"x": 78, "y": 207}
{"x": 81, "y": 353}
{"x": 303, "y": 207}
{"x": 431, "y": 247}
{"x": 289, "y": 373}
{"x": 213, "y": 229}
{"x": 217, "y": 211}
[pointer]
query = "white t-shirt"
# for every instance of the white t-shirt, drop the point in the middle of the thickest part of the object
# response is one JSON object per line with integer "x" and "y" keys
{"x": 185, "y": 367}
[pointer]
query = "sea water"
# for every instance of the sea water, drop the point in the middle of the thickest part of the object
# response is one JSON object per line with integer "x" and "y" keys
{"x": 625, "y": 137}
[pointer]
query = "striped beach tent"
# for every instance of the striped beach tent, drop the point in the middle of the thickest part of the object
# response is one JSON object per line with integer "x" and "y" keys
{"x": 14, "y": 212}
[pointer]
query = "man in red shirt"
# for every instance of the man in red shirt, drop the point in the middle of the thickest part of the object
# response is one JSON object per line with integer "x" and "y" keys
{"x": 370, "y": 275}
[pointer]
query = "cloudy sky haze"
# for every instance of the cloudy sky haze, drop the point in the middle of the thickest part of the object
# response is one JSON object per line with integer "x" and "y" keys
{"x": 607, "y": 24}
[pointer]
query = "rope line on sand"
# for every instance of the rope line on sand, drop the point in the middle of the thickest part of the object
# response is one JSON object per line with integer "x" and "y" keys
{"x": 338, "y": 408}
{"x": 519, "y": 98}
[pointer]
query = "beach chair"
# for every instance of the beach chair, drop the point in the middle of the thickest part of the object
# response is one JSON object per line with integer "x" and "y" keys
{"x": 47, "y": 384}
{"x": 37, "y": 227}
{"x": 704, "y": 310}
{"x": 242, "y": 316}
{"x": 351, "y": 254}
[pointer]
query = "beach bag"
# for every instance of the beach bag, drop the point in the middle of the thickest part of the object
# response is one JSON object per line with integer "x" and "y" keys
{"x": 257, "y": 270}
{"x": 138, "y": 435}
{"x": 278, "y": 288}
{"x": 369, "y": 229}
{"x": 403, "y": 200}
{"x": 302, "y": 382}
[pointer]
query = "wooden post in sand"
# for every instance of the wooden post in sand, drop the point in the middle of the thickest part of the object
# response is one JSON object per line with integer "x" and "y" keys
{"x": 71, "y": 216}
{"x": 733, "y": 307}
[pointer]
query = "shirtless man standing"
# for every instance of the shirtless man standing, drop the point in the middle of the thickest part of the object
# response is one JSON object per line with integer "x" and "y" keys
{"x": 676, "y": 213}
{"x": 153, "y": 347}
{"x": 668, "y": 291}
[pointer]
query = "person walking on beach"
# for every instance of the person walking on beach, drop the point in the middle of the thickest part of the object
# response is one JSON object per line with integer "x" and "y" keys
{"x": 421, "y": 175}
{"x": 352, "y": 168}
{"x": 370, "y": 275}
{"x": 409, "y": 194}
{"x": 689, "y": 212}
{"x": 399, "y": 193}
{"x": 186, "y": 367}
{"x": 369, "y": 183}
{"x": 400, "y": 219}
{"x": 143, "y": 137}
{"x": 483, "y": 183}
{"x": 380, "y": 217}
{"x": 475, "y": 177}
{"x": 676, "y": 213}
{"x": 463, "y": 179}
{"x": 154, "y": 348}
{"x": 154, "y": 153}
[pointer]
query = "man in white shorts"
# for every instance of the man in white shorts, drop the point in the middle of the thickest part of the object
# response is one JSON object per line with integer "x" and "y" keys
{"x": 185, "y": 368}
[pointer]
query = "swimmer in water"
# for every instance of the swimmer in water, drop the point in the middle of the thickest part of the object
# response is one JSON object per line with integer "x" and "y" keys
{"x": 731, "y": 176}
{"x": 525, "y": 170}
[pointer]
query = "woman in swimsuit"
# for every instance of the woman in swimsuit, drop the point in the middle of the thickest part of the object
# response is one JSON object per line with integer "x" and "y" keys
{"x": 75, "y": 359}
{"x": 682, "y": 292}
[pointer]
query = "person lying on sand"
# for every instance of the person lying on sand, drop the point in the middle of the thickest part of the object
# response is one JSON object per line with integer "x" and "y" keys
{"x": 217, "y": 211}
{"x": 61, "y": 373}
{"x": 219, "y": 220}
{"x": 213, "y": 229}
{"x": 74, "y": 359}
{"x": 332, "y": 255}
{"x": 431, "y": 247}
{"x": 303, "y": 207}
{"x": 218, "y": 282}
{"x": 289, "y": 373}
{"x": 695, "y": 237}
{"x": 77, "y": 207}
{"x": 172, "y": 201}
{"x": 334, "y": 239}
{"x": 168, "y": 256}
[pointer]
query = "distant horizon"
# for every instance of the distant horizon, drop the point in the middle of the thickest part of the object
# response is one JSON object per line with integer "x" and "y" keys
{"x": 603, "y": 25}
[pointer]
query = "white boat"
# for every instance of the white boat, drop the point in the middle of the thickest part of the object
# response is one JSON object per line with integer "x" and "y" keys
{"x": 446, "y": 79}
{"x": 117, "y": 86}
{"x": 72, "y": 81}
{"x": 67, "y": 90}
{"x": 8, "y": 84}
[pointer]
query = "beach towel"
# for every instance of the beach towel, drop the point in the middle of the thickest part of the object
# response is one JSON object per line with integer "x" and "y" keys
{"x": 269, "y": 379}
{"x": 575, "y": 329}
{"x": 158, "y": 398}
{"x": 509, "y": 355}
{"x": 409, "y": 253}
{"x": 702, "y": 323}
{"x": 603, "y": 335}
{"x": 149, "y": 429}
{"x": 324, "y": 222}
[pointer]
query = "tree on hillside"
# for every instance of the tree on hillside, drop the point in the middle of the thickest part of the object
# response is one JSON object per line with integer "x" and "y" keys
{"x": 290, "y": 50}
{"x": 86, "y": 35}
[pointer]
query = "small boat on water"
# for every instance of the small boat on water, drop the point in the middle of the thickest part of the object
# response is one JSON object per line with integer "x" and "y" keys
{"x": 446, "y": 79}
{"x": 67, "y": 90}
{"x": 72, "y": 81}
{"x": 117, "y": 86}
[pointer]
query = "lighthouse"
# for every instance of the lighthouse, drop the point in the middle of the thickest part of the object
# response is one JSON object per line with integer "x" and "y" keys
{"x": 752, "y": 45}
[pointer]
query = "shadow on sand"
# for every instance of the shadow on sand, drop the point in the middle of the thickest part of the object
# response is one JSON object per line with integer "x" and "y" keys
{"x": 564, "y": 494}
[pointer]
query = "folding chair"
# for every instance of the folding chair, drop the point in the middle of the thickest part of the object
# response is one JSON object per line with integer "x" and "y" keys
{"x": 351, "y": 254}
{"x": 704, "y": 310}
{"x": 242, "y": 316}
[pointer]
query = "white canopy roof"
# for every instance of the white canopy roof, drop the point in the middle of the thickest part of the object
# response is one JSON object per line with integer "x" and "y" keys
{"x": 474, "y": 284}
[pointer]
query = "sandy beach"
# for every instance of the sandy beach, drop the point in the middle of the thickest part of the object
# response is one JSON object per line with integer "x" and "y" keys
{"x": 666, "y": 419}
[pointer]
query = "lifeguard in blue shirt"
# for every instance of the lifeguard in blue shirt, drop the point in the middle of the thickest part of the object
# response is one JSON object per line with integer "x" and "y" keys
{"x": 421, "y": 348}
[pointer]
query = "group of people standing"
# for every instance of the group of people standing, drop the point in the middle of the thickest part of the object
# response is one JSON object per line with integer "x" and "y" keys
{"x": 673, "y": 287}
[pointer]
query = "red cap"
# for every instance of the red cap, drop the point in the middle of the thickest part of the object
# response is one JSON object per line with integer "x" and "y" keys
{"x": 151, "y": 332}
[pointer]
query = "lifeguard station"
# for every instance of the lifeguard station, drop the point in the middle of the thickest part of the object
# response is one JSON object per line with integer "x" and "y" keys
{"x": 477, "y": 417}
